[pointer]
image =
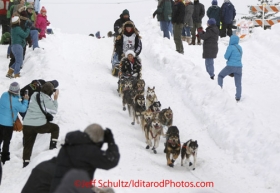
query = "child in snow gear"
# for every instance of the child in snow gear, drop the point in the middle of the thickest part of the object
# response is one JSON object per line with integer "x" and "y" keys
{"x": 42, "y": 23}
{"x": 210, "y": 45}
{"x": 233, "y": 56}
{"x": 188, "y": 21}
{"x": 82, "y": 150}
{"x": 10, "y": 100}
{"x": 17, "y": 46}
{"x": 228, "y": 14}
{"x": 41, "y": 106}
{"x": 197, "y": 16}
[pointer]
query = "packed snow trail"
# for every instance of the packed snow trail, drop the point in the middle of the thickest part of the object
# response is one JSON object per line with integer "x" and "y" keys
{"x": 88, "y": 94}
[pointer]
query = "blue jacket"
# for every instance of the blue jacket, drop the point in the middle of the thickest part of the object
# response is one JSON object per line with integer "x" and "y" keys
{"x": 227, "y": 13}
{"x": 234, "y": 52}
{"x": 5, "y": 109}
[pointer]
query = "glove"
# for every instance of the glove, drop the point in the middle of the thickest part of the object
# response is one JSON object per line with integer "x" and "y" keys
{"x": 108, "y": 136}
{"x": 154, "y": 14}
{"x": 28, "y": 24}
{"x": 200, "y": 29}
{"x": 38, "y": 29}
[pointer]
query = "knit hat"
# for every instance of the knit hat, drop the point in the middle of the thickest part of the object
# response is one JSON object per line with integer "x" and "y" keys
{"x": 95, "y": 132}
{"x": 54, "y": 83}
{"x": 211, "y": 21}
{"x": 14, "y": 88}
{"x": 43, "y": 9}
{"x": 15, "y": 19}
{"x": 214, "y": 2}
{"x": 125, "y": 12}
{"x": 30, "y": 6}
{"x": 47, "y": 88}
{"x": 129, "y": 52}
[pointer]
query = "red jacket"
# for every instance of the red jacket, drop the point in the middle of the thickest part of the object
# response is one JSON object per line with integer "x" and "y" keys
{"x": 4, "y": 4}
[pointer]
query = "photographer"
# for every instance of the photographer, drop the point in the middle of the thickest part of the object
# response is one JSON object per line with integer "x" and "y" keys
{"x": 82, "y": 150}
{"x": 37, "y": 119}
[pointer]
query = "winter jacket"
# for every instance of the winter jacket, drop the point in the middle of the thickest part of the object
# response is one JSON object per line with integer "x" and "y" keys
{"x": 19, "y": 36}
{"x": 178, "y": 12}
{"x": 68, "y": 184}
{"x": 42, "y": 24}
{"x": 41, "y": 177}
{"x": 119, "y": 23}
{"x": 80, "y": 152}
{"x": 214, "y": 12}
{"x": 189, "y": 8}
{"x": 128, "y": 41}
{"x": 164, "y": 10}
{"x": 5, "y": 109}
{"x": 210, "y": 43}
{"x": 131, "y": 68}
{"x": 5, "y": 39}
{"x": 227, "y": 13}
{"x": 34, "y": 116}
{"x": 198, "y": 12}
{"x": 234, "y": 52}
{"x": 4, "y": 7}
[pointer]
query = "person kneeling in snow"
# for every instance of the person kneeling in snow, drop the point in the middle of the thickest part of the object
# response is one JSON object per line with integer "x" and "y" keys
{"x": 128, "y": 39}
{"x": 37, "y": 120}
{"x": 233, "y": 56}
{"x": 82, "y": 150}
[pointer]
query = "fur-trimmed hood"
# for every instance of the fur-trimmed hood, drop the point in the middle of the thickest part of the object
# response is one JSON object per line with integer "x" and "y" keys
{"x": 134, "y": 28}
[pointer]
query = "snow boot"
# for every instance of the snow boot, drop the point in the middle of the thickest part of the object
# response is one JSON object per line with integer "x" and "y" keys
{"x": 53, "y": 144}
{"x": 193, "y": 41}
{"x": 25, "y": 163}
{"x": 17, "y": 75}
{"x": 10, "y": 73}
{"x": 198, "y": 41}
{"x": 188, "y": 39}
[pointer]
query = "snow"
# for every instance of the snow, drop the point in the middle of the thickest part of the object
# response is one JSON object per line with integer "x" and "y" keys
{"x": 238, "y": 142}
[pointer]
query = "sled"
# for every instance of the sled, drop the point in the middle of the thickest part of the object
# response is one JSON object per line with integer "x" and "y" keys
{"x": 115, "y": 64}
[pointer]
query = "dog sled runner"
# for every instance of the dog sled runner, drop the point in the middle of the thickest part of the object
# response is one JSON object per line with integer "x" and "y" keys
{"x": 115, "y": 61}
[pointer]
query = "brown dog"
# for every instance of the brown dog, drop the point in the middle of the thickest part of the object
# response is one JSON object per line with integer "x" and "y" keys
{"x": 172, "y": 145}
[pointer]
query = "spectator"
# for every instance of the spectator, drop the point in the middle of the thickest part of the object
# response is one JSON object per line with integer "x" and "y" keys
{"x": 82, "y": 150}
{"x": 42, "y": 23}
{"x": 178, "y": 16}
{"x": 37, "y": 6}
{"x": 197, "y": 16}
{"x": 188, "y": 22}
{"x": 210, "y": 45}
{"x": 10, "y": 105}
{"x": 164, "y": 16}
{"x": 37, "y": 120}
{"x": 4, "y": 21}
{"x": 227, "y": 16}
{"x": 214, "y": 11}
{"x": 124, "y": 17}
{"x": 33, "y": 31}
{"x": 233, "y": 56}
{"x": 41, "y": 177}
{"x": 129, "y": 39}
{"x": 18, "y": 43}
{"x": 35, "y": 86}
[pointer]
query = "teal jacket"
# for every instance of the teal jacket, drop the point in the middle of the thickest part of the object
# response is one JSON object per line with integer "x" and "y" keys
{"x": 164, "y": 10}
{"x": 234, "y": 52}
{"x": 19, "y": 36}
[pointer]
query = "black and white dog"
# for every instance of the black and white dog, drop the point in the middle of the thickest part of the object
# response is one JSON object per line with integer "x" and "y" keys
{"x": 189, "y": 148}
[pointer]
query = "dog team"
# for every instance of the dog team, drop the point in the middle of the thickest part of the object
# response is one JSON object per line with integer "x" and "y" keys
{"x": 147, "y": 112}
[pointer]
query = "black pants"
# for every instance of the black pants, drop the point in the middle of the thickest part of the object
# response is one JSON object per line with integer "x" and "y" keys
{"x": 30, "y": 133}
{"x": 6, "y": 134}
{"x": 226, "y": 30}
{"x": 5, "y": 24}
